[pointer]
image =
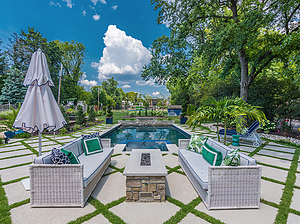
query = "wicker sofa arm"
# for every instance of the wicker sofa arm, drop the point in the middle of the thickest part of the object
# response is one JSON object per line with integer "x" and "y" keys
{"x": 106, "y": 142}
{"x": 60, "y": 185}
{"x": 234, "y": 187}
{"x": 183, "y": 143}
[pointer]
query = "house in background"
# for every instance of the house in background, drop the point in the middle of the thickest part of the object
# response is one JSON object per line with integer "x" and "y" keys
{"x": 174, "y": 110}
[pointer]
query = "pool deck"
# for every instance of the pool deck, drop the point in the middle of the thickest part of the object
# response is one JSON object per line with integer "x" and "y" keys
{"x": 183, "y": 205}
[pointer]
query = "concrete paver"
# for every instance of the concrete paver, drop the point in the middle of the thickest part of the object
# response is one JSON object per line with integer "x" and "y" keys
{"x": 16, "y": 161}
{"x": 110, "y": 188}
{"x": 119, "y": 161}
{"x": 297, "y": 183}
{"x": 99, "y": 219}
{"x": 271, "y": 191}
{"x": 277, "y": 154}
{"x": 15, "y": 153}
{"x": 26, "y": 215}
{"x": 273, "y": 161}
{"x": 150, "y": 213}
{"x": 292, "y": 219}
{"x": 274, "y": 173}
{"x": 192, "y": 219}
{"x": 12, "y": 148}
{"x": 15, "y": 192}
{"x": 179, "y": 187}
{"x": 266, "y": 214}
{"x": 171, "y": 160}
{"x": 295, "y": 200}
{"x": 284, "y": 149}
{"x": 14, "y": 173}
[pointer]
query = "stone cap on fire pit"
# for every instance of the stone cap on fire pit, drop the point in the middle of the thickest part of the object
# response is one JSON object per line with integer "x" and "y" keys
{"x": 133, "y": 167}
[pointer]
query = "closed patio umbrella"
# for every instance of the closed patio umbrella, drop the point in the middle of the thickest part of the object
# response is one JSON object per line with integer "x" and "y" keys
{"x": 39, "y": 109}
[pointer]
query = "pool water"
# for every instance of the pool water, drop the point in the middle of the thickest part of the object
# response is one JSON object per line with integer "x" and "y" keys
{"x": 146, "y": 137}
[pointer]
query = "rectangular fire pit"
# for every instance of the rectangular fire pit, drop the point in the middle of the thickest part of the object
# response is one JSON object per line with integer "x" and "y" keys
{"x": 145, "y": 174}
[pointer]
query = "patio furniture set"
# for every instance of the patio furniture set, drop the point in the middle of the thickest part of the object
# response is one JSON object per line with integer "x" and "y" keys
{"x": 220, "y": 187}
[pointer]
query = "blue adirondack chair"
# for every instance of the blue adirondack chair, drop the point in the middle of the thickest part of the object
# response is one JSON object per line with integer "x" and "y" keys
{"x": 250, "y": 135}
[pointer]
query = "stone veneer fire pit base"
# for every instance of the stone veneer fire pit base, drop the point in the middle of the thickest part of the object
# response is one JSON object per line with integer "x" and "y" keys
{"x": 145, "y": 188}
{"x": 145, "y": 183}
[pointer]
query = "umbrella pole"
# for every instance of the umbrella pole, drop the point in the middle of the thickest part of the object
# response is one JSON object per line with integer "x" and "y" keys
{"x": 40, "y": 143}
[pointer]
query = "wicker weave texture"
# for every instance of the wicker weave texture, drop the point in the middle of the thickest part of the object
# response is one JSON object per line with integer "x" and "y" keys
{"x": 183, "y": 143}
{"x": 234, "y": 187}
{"x": 56, "y": 185}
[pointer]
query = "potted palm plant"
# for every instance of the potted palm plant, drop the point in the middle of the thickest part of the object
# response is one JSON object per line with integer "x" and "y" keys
{"x": 109, "y": 115}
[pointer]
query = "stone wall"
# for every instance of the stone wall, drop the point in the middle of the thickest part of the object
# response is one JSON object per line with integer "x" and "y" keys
{"x": 145, "y": 188}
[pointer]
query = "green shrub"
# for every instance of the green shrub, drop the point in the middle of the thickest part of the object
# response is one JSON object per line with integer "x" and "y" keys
{"x": 140, "y": 113}
{"x": 66, "y": 117}
{"x": 9, "y": 118}
{"x": 1, "y": 141}
{"x": 76, "y": 127}
{"x": 63, "y": 130}
{"x": 267, "y": 126}
{"x": 190, "y": 110}
{"x": 91, "y": 123}
{"x": 104, "y": 109}
{"x": 23, "y": 135}
{"x": 109, "y": 112}
{"x": 91, "y": 114}
{"x": 80, "y": 116}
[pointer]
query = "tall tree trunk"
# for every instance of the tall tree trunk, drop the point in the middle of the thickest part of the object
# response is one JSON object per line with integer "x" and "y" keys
{"x": 245, "y": 80}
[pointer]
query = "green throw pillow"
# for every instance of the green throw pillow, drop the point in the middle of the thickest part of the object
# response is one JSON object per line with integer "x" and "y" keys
{"x": 196, "y": 143}
{"x": 91, "y": 146}
{"x": 233, "y": 158}
{"x": 211, "y": 155}
{"x": 72, "y": 156}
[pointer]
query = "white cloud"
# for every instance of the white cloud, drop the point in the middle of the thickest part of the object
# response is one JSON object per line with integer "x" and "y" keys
{"x": 96, "y": 17}
{"x": 126, "y": 86}
{"x": 150, "y": 82}
{"x": 156, "y": 93}
{"x": 114, "y": 7}
{"x": 92, "y": 8}
{"x": 94, "y": 1}
{"x": 54, "y": 4}
{"x": 122, "y": 55}
{"x": 103, "y": 1}
{"x": 69, "y": 3}
{"x": 84, "y": 12}
{"x": 86, "y": 82}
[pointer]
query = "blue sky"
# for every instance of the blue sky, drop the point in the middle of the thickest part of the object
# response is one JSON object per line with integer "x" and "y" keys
{"x": 117, "y": 35}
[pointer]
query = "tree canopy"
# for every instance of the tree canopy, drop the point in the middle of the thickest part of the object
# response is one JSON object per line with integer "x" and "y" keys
{"x": 242, "y": 37}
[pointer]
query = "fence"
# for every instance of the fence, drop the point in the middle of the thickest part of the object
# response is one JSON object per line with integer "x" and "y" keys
{"x": 4, "y": 107}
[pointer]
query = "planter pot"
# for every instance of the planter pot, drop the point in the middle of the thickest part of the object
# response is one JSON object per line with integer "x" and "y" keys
{"x": 183, "y": 120}
{"x": 109, "y": 120}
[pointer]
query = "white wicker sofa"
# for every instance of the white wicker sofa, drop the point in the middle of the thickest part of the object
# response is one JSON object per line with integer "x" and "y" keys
{"x": 222, "y": 187}
{"x": 68, "y": 185}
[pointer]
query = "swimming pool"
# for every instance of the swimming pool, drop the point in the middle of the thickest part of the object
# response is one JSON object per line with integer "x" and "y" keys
{"x": 145, "y": 137}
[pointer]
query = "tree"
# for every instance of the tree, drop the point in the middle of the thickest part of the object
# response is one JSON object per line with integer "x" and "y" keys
{"x": 2, "y": 68}
{"x": 80, "y": 116}
{"x": 13, "y": 90}
{"x": 233, "y": 35}
{"x": 94, "y": 96}
{"x": 111, "y": 89}
{"x": 146, "y": 102}
{"x": 72, "y": 60}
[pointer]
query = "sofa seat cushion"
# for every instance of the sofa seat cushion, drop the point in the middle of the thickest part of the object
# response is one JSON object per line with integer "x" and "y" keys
{"x": 93, "y": 163}
{"x": 197, "y": 165}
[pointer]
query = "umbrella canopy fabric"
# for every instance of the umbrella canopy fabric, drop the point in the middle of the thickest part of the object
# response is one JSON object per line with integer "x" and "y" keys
{"x": 38, "y": 70}
{"x": 39, "y": 109}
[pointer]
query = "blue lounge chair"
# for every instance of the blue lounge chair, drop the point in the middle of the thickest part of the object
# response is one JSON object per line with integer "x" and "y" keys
{"x": 250, "y": 135}
{"x": 11, "y": 134}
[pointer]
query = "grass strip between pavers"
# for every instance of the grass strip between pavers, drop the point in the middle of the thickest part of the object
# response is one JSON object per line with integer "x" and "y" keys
{"x": 15, "y": 150}
{"x": 14, "y": 181}
{"x": 258, "y": 149}
{"x": 175, "y": 169}
{"x": 273, "y": 150}
{"x": 17, "y": 204}
{"x": 287, "y": 195}
{"x": 117, "y": 169}
{"x": 119, "y": 154}
{"x": 51, "y": 139}
{"x": 4, "y": 207}
{"x": 30, "y": 148}
{"x": 188, "y": 208}
{"x": 272, "y": 180}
